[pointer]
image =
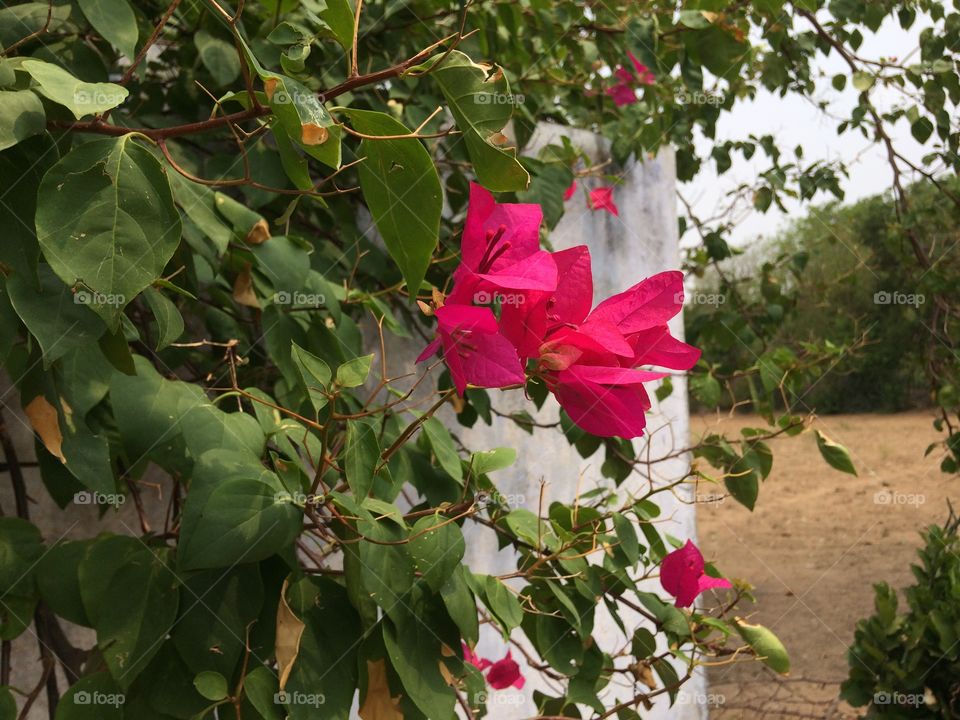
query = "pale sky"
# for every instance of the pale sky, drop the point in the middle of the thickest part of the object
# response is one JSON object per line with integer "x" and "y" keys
{"x": 794, "y": 120}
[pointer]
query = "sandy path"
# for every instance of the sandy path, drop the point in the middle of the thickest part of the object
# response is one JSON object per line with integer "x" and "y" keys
{"x": 816, "y": 542}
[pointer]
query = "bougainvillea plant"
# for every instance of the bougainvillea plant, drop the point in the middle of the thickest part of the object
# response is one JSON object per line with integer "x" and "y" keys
{"x": 195, "y": 313}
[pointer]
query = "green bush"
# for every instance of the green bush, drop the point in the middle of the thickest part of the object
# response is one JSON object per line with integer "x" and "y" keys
{"x": 907, "y": 665}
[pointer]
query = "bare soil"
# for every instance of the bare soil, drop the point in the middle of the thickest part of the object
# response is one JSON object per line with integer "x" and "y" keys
{"x": 815, "y": 545}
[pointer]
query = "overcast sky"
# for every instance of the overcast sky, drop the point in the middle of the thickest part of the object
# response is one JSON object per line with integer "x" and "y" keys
{"x": 794, "y": 120}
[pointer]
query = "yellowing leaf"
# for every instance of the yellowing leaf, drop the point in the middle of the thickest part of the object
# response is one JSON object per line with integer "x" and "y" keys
{"x": 377, "y": 703}
{"x": 289, "y": 631}
{"x": 259, "y": 233}
{"x": 43, "y": 418}
{"x": 313, "y": 134}
{"x": 243, "y": 289}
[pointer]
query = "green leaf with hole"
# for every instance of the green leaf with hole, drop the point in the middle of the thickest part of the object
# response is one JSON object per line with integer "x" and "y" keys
{"x": 481, "y": 103}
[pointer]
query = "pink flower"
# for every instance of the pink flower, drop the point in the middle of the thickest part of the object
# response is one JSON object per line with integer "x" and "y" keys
{"x": 469, "y": 656}
{"x": 681, "y": 574}
{"x": 473, "y": 348}
{"x": 595, "y": 362}
{"x": 645, "y": 75}
{"x": 501, "y": 674}
{"x": 590, "y": 360}
{"x": 602, "y": 199}
{"x": 568, "y": 193}
{"x": 622, "y": 94}
{"x": 505, "y": 673}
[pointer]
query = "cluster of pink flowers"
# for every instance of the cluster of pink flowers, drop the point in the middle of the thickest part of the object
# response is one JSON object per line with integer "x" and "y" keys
{"x": 624, "y": 92}
{"x": 501, "y": 674}
{"x": 589, "y": 359}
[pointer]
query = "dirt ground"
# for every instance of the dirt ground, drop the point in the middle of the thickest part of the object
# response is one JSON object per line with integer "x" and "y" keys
{"x": 816, "y": 542}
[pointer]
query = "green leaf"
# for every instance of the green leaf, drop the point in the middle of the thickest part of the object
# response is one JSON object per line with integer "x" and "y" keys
{"x": 836, "y": 455}
{"x": 353, "y": 373}
{"x": 235, "y": 512}
{"x": 766, "y": 645}
{"x": 52, "y": 316}
{"x": 80, "y": 98}
{"x": 129, "y": 633}
{"x": 314, "y": 373}
{"x": 59, "y": 582}
{"x": 260, "y": 687}
{"x": 106, "y": 222}
{"x": 339, "y": 18}
{"x": 487, "y": 461}
{"x": 210, "y": 635}
{"x": 8, "y": 706}
{"x": 21, "y": 115}
{"x": 361, "y": 455}
{"x": 219, "y": 57}
{"x": 414, "y": 646}
{"x": 324, "y": 676}
{"x": 441, "y": 442}
{"x": 401, "y": 188}
{"x": 480, "y": 104}
{"x": 169, "y": 320}
{"x": 212, "y": 685}
{"x": 502, "y": 603}
{"x": 921, "y": 129}
{"x": 200, "y": 206}
{"x": 304, "y": 118}
{"x": 627, "y": 535}
{"x": 115, "y": 21}
{"x": 21, "y": 170}
{"x": 862, "y": 81}
{"x": 437, "y": 547}
{"x": 461, "y": 605}
{"x": 644, "y": 644}
{"x": 706, "y": 388}
{"x": 20, "y": 549}
{"x": 78, "y": 703}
